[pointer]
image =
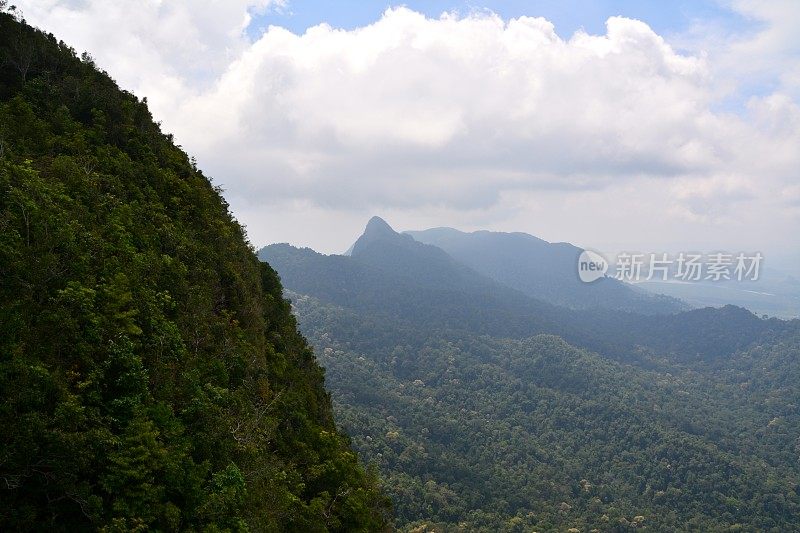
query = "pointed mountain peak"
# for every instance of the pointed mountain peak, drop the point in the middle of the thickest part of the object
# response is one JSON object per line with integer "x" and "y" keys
{"x": 377, "y": 226}
{"x": 377, "y": 230}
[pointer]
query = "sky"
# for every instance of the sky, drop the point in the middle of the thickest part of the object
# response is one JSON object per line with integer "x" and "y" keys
{"x": 650, "y": 126}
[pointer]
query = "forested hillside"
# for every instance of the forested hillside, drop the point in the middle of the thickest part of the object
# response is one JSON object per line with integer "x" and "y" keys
{"x": 473, "y": 433}
{"x": 151, "y": 374}
{"x": 482, "y": 418}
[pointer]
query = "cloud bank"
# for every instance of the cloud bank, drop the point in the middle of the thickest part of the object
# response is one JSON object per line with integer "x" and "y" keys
{"x": 464, "y": 119}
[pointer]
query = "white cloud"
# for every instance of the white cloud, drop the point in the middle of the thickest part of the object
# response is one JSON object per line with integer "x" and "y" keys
{"x": 458, "y": 118}
{"x": 413, "y": 111}
{"x": 771, "y": 52}
{"x": 163, "y": 49}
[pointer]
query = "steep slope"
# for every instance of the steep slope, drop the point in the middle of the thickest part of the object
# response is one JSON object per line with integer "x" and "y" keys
{"x": 151, "y": 374}
{"x": 542, "y": 270}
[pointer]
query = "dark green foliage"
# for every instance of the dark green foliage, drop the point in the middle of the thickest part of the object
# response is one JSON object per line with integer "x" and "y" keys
{"x": 473, "y": 433}
{"x": 151, "y": 373}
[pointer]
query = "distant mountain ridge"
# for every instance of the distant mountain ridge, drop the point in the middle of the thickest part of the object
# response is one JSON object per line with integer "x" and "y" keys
{"x": 423, "y": 287}
{"x": 382, "y": 247}
{"x": 543, "y": 270}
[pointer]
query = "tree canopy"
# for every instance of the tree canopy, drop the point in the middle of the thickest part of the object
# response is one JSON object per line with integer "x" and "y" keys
{"x": 151, "y": 373}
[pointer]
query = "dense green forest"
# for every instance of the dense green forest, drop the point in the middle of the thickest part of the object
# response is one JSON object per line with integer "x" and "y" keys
{"x": 473, "y": 433}
{"x": 151, "y": 374}
{"x": 481, "y": 417}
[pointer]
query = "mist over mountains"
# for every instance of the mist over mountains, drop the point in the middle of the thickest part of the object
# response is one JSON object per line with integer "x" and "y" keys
{"x": 542, "y": 270}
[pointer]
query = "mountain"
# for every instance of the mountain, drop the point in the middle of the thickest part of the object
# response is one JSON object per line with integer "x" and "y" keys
{"x": 488, "y": 410}
{"x": 152, "y": 376}
{"x": 543, "y": 270}
{"x": 393, "y": 275}
{"x": 421, "y": 286}
{"x": 383, "y": 248}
